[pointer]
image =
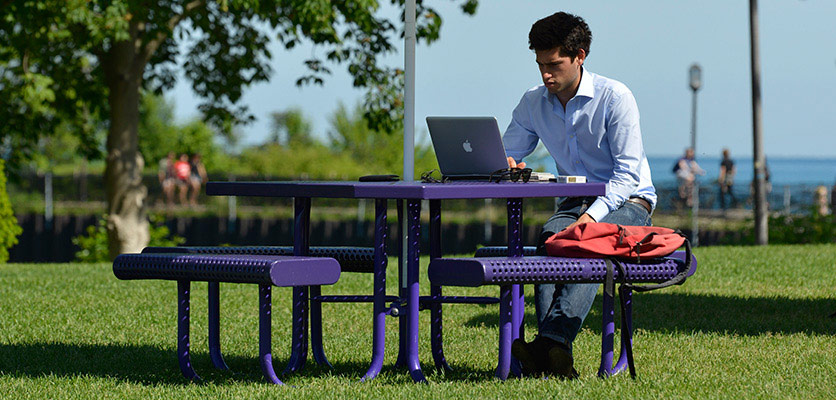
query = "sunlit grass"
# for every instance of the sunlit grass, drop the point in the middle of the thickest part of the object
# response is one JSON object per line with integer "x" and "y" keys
{"x": 752, "y": 323}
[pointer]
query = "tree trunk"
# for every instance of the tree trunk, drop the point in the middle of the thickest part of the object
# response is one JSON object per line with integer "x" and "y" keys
{"x": 127, "y": 220}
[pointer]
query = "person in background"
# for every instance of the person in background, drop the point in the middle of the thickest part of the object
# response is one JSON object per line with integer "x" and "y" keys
{"x": 833, "y": 197}
{"x": 166, "y": 176}
{"x": 183, "y": 171}
{"x": 820, "y": 199}
{"x": 686, "y": 170}
{"x": 726, "y": 179}
{"x": 197, "y": 177}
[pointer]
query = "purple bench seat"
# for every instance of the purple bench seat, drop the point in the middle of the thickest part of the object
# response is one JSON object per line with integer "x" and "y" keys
{"x": 507, "y": 271}
{"x": 351, "y": 259}
{"x": 264, "y": 270}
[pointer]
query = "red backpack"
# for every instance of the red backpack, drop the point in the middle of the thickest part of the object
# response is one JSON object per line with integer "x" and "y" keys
{"x": 599, "y": 239}
{"x": 620, "y": 242}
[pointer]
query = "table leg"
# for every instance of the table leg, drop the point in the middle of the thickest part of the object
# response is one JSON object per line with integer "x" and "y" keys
{"x": 214, "y": 326}
{"x": 301, "y": 244}
{"x": 515, "y": 249}
{"x": 412, "y": 269}
{"x": 317, "y": 350}
{"x": 265, "y": 325}
{"x": 381, "y": 228}
{"x": 401, "y": 360}
{"x": 436, "y": 328}
{"x": 183, "y": 294}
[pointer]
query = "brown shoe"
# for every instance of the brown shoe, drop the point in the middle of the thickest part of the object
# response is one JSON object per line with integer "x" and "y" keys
{"x": 560, "y": 361}
{"x": 532, "y": 359}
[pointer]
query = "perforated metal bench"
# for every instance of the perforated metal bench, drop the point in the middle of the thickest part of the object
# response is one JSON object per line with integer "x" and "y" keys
{"x": 310, "y": 299}
{"x": 263, "y": 270}
{"x": 351, "y": 259}
{"x": 507, "y": 271}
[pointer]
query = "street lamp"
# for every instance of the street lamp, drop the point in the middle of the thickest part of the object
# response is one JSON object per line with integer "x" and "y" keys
{"x": 695, "y": 81}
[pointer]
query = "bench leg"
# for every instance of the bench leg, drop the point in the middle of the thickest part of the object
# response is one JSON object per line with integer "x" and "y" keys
{"x": 379, "y": 318}
{"x": 506, "y": 334}
{"x": 264, "y": 333}
{"x": 214, "y": 327}
{"x": 316, "y": 329}
{"x": 607, "y": 335}
{"x": 436, "y": 327}
{"x": 183, "y": 292}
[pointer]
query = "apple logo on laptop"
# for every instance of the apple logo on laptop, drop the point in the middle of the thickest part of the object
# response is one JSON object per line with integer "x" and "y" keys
{"x": 467, "y": 147}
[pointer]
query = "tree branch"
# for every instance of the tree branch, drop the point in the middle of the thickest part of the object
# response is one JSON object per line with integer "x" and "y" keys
{"x": 172, "y": 23}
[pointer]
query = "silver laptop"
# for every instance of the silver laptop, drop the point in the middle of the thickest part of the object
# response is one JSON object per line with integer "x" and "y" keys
{"x": 467, "y": 146}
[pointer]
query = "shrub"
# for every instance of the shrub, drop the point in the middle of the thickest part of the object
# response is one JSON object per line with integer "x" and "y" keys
{"x": 93, "y": 246}
{"x": 802, "y": 229}
{"x": 9, "y": 229}
{"x": 808, "y": 228}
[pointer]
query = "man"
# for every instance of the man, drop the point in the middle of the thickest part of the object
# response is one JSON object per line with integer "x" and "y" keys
{"x": 726, "y": 179}
{"x": 590, "y": 126}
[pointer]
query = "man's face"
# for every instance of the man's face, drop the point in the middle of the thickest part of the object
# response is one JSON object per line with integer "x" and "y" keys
{"x": 560, "y": 74}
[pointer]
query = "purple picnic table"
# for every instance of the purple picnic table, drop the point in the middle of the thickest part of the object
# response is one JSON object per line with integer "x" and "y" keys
{"x": 407, "y": 304}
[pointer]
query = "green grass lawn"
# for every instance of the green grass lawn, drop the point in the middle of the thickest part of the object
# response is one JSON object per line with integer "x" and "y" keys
{"x": 752, "y": 323}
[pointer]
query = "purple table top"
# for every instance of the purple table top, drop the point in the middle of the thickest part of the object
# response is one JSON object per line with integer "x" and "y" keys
{"x": 404, "y": 190}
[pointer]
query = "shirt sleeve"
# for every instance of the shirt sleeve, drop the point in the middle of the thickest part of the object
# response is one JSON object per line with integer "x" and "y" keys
{"x": 520, "y": 139}
{"x": 625, "y": 140}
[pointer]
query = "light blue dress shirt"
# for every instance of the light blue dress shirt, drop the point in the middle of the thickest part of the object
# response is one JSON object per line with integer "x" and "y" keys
{"x": 597, "y": 136}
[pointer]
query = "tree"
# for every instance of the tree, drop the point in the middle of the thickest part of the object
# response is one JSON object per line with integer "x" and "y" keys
{"x": 159, "y": 134}
{"x": 377, "y": 151}
{"x": 290, "y": 128}
{"x": 70, "y": 59}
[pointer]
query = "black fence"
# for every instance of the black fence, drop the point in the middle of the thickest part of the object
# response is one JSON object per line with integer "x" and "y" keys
{"x": 90, "y": 187}
{"x": 52, "y": 242}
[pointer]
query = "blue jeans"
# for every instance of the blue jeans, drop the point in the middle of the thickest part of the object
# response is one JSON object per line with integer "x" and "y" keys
{"x": 561, "y": 309}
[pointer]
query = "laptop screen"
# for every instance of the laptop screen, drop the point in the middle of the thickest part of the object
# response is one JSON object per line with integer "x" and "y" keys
{"x": 467, "y": 146}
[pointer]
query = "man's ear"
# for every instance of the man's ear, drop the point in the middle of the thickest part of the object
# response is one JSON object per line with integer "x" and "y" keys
{"x": 581, "y": 56}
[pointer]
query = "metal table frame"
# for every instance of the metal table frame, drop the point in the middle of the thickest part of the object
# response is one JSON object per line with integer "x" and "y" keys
{"x": 408, "y": 304}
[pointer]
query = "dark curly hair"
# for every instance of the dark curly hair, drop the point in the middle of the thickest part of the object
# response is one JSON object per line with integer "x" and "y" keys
{"x": 568, "y": 32}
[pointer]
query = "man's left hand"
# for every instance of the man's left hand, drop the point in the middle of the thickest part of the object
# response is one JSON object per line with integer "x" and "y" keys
{"x": 582, "y": 220}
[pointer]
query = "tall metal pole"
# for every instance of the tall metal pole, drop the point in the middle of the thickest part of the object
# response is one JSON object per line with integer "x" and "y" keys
{"x": 761, "y": 230}
{"x": 695, "y": 81}
{"x": 695, "y": 205}
{"x": 409, "y": 93}
{"x": 408, "y": 126}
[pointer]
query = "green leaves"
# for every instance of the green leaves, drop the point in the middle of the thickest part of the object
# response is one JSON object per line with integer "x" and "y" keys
{"x": 9, "y": 229}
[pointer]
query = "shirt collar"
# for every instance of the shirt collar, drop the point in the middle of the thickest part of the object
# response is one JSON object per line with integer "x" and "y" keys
{"x": 585, "y": 89}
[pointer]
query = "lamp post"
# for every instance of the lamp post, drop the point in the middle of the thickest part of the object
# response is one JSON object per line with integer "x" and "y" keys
{"x": 695, "y": 81}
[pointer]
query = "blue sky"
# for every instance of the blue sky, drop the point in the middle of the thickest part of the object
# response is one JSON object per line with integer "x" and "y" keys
{"x": 482, "y": 66}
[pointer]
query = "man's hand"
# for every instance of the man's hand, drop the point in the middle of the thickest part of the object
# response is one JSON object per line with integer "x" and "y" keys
{"x": 582, "y": 220}
{"x": 513, "y": 164}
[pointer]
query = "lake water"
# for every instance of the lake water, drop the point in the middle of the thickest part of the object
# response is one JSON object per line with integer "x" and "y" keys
{"x": 783, "y": 171}
{"x": 794, "y": 180}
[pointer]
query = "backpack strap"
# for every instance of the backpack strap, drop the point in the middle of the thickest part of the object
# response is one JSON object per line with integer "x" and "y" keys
{"x": 676, "y": 280}
{"x": 625, "y": 330}
{"x": 609, "y": 289}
